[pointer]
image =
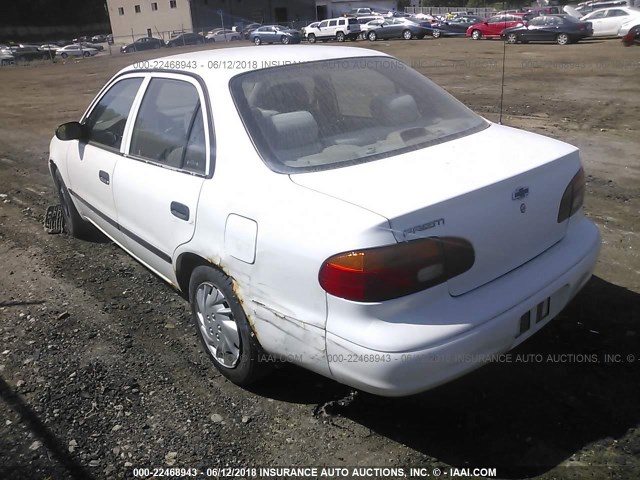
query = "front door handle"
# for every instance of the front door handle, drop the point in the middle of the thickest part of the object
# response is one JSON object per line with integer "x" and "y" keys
{"x": 104, "y": 177}
{"x": 179, "y": 210}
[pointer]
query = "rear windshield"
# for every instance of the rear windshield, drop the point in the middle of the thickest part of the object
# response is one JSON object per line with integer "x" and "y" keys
{"x": 333, "y": 113}
{"x": 353, "y": 21}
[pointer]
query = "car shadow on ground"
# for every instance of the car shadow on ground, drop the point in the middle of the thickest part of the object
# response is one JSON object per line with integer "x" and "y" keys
{"x": 572, "y": 384}
{"x": 66, "y": 466}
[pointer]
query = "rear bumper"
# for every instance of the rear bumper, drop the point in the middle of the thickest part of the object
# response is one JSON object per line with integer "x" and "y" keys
{"x": 558, "y": 274}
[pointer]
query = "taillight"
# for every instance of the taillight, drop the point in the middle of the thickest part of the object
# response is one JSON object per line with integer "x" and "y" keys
{"x": 573, "y": 197}
{"x": 392, "y": 271}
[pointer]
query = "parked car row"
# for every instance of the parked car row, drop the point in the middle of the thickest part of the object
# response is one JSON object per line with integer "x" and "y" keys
{"x": 514, "y": 26}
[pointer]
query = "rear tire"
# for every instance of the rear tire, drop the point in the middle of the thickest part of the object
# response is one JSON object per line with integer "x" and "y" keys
{"x": 407, "y": 35}
{"x": 436, "y": 34}
{"x": 257, "y": 40}
{"x": 74, "y": 225}
{"x": 372, "y": 36}
{"x": 285, "y": 40}
{"x": 223, "y": 327}
{"x": 340, "y": 37}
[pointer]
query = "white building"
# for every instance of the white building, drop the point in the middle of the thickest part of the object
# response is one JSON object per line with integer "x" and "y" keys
{"x": 135, "y": 18}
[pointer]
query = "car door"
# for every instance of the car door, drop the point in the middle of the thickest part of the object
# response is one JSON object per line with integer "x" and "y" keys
{"x": 553, "y": 26}
{"x": 91, "y": 163}
{"x": 494, "y": 26}
{"x": 272, "y": 35}
{"x": 598, "y": 22}
{"x": 157, "y": 184}
{"x": 330, "y": 31}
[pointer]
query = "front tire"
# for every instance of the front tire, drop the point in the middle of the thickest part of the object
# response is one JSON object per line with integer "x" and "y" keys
{"x": 64, "y": 55}
{"x": 74, "y": 225}
{"x": 223, "y": 327}
{"x": 372, "y": 36}
{"x": 86, "y": 54}
{"x": 257, "y": 41}
{"x": 311, "y": 38}
{"x": 436, "y": 34}
{"x": 512, "y": 38}
{"x": 476, "y": 35}
{"x": 562, "y": 39}
{"x": 407, "y": 35}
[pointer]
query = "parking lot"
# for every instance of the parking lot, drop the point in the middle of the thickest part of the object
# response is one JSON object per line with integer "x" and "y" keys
{"x": 101, "y": 371}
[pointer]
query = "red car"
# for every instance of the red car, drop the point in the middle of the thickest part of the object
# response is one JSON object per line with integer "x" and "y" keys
{"x": 492, "y": 27}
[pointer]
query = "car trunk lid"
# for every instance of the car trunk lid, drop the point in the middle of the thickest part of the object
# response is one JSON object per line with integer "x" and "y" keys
{"x": 499, "y": 188}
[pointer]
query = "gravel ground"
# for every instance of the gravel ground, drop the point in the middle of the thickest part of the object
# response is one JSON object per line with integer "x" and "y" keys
{"x": 101, "y": 371}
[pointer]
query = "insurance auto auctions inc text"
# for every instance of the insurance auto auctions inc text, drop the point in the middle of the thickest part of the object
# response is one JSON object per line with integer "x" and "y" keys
{"x": 372, "y": 472}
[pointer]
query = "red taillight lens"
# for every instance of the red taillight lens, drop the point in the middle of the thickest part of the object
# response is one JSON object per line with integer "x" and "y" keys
{"x": 573, "y": 197}
{"x": 392, "y": 271}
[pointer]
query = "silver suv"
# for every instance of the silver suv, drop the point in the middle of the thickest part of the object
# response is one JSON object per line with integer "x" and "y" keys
{"x": 340, "y": 29}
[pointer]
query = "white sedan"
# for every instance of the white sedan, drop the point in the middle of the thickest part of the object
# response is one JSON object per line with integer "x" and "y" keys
{"x": 379, "y": 233}
{"x": 76, "y": 50}
{"x": 222, "y": 36}
{"x": 606, "y": 22}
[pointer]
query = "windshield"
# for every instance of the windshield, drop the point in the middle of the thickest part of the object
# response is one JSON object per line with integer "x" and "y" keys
{"x": 333, "y": 113}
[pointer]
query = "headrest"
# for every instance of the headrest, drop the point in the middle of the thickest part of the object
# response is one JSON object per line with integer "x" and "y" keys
{"x": 292, "y": 130}
{"x": 395, "y": 109}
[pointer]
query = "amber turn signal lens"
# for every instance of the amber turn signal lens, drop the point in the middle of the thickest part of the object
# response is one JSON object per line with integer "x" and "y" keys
{"x": 392, "y": 271}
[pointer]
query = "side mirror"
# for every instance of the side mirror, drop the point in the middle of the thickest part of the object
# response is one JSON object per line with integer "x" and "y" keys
{"x": 70, "y": 131}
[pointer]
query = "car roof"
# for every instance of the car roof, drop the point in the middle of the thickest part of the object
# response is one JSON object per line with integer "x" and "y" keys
{"x": 244, "y": 59}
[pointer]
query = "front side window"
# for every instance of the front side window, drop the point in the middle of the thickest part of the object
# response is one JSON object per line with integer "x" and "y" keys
{"x": 321, "y": 115}
{"x": 105, "y": 124}
{"x": 332, "y": 23}
{"x": 169, "y": 129}
{"x": 323, "y": 24}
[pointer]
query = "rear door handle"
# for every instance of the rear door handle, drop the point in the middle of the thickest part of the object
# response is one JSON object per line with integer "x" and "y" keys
{"x": 179, "y": 210}
{"x": 104, "y": 177}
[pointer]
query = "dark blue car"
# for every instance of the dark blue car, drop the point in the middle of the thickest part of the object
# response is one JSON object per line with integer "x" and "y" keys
{"x": 561, "y": 29}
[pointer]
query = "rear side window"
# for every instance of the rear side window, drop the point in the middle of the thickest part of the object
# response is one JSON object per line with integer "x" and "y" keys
{"x": 106, "y": 122}
{"x": 169, "y": 129}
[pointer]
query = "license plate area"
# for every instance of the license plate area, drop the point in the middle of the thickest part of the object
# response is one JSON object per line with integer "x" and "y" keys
{"x": 537, "y": 314}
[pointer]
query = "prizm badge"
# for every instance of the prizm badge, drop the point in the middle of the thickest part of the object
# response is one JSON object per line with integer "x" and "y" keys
{"x": 520, "y": 193}
{"x": 424, "y": 226}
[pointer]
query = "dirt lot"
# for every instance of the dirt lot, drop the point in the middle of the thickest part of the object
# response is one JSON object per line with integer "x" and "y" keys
{"x": 101, "y": 370}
